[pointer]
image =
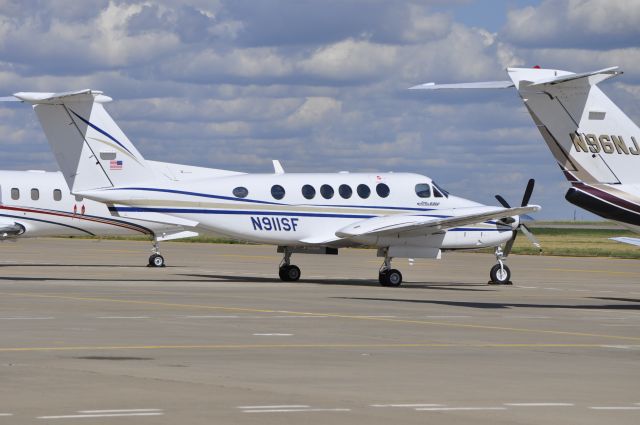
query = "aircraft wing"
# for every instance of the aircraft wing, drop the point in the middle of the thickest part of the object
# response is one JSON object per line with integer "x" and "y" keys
{"x": 403, "y": 223}
{"x": 630, "y": 241}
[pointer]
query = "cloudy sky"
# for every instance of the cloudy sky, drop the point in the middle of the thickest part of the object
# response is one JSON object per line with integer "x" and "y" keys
{"x": 319, "y": 84}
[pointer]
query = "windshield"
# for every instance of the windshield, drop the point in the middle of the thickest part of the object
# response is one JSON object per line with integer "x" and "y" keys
{"x": 440, "y": 189}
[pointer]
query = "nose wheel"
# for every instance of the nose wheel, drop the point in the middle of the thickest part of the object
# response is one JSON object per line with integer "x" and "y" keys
{"x": 500, "y": 273}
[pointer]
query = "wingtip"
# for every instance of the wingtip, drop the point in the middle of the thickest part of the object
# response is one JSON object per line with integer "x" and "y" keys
{"x": 423, "y": 86}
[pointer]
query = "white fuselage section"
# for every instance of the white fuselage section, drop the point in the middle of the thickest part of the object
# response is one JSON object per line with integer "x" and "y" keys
{"x": 40, "y": 202}
{"x": 298, "y": 209}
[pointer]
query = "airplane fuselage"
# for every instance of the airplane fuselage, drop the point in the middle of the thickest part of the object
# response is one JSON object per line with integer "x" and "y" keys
{"x": 39, "y": 204}
{"x": 308, "y": 208}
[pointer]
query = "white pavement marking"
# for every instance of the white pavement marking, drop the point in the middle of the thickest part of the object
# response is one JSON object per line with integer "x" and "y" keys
{"x": 446, "y": 409}
{"x": 6, "y": 414}
{"x": 210, "y": 317}
{"x": 27, "y": 318}
{"x": 276, "y": 334}
{"x": 105, "y": 415}
{"x": 539, "y": 404}
{"x": 614, "y": 407}
{"x": 123, "y": 317}
{"x": 120, "y": 411}
{"x": 295, "y": 410}
{"x": 277, "y": 406}
{"x": 407, "y": 405}
{"x": 526, "y": 317}
{"x": 447, "y": 317}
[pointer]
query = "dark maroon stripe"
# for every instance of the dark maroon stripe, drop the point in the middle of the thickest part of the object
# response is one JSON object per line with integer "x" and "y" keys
{"x": 613, "y": 199}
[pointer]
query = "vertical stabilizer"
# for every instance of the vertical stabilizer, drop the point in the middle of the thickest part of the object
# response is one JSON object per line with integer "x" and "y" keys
{"x": 590, "y": 137}
{"x": 92, "y": 151}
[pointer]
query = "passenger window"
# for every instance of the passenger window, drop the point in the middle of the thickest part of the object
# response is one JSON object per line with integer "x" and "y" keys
{"x": 79, "y": 198}
{"x": 423, "y": 190}
{"x": 363, "y": 191}
{"x": 277, "y": 191}
{"x": 57, "y": 194}
{"x": 382, "y": 190}
{"x": 308, "y": 191}
{"x": 35, "y": 194}
{"x": 240, "y": 192}
{"x": 345, "y": 191}
{"x": 326, "y": 191}
{"x": 15, "y": 193}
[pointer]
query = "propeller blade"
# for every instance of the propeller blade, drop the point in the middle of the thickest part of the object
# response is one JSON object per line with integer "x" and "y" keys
{"x": 502, "y": 201}
{"x": 527, "y": 193}
{"x": 530, "y": 236}
{"x": 509, "y": 245}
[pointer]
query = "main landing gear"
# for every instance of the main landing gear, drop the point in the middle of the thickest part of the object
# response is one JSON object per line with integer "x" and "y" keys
{"x": 388, "y": 276}
{"x": 156, "y": 260}
{"x": 500, "y": 273}
{"x": 287, "y": 271}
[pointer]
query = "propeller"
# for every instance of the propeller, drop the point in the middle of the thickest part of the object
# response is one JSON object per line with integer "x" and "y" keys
{"x": 521, "y": 226}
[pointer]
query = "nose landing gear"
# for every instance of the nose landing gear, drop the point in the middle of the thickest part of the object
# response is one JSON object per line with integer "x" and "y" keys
{"x": 500, "y": 273}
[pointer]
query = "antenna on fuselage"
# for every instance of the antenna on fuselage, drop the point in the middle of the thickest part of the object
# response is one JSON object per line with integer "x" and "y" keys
{"x": 277, "y": 167}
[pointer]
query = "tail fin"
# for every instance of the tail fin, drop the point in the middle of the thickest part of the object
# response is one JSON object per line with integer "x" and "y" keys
{"x": 590, "y": 137}
{"x": 92, "y": 151}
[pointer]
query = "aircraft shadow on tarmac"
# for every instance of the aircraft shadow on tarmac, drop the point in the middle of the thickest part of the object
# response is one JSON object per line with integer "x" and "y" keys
{"x": 349, "y": 282}
{"x": 499, "y": 305}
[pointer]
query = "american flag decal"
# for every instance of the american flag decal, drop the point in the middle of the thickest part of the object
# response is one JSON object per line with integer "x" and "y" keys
{"x": 115, "y": 164}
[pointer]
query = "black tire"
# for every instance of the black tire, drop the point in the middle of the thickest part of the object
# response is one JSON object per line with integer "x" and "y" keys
{"x": 382, "y": 278}
{"x": 282, "y": 272}
{"x": 393, "y": 278}
{"x": 156, "y": 260}
{"x": 293, "y": 273}
{"x": 500, "y": 276}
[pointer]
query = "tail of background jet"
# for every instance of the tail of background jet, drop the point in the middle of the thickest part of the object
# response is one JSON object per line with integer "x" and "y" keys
{"x": 92, "y": 151}
{"x": 590, "y": 137}
{"x": 596, "y": 145}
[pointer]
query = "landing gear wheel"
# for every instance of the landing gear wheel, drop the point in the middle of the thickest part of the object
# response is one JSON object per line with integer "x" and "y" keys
{"x": 500, "y": 275}
{"x": 391, "y": 277}
{"x": 289, "y": 273}
{"x": 156, "y": 260}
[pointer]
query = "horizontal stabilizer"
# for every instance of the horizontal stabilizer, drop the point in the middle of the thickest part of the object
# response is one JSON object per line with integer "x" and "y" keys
{"x": 480, "y": 85}
{"x": 37, "y": 98}
{"x": 592, "y": 78}
{"x": 630, "y": 241}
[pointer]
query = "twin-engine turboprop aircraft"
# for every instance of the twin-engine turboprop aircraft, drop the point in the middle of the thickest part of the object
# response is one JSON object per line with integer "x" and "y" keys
{"x": 401, "y": 214}
{"x": 38, "y": 203}
{"x": 595, "y": 144}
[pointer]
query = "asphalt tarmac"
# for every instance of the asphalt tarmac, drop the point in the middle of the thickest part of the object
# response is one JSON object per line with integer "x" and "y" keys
{"x": 89, "y": 335}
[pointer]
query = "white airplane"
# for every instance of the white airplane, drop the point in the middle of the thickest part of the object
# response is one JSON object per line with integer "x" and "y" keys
{"x": 595, "y": 144}
{"x": 401, "y": 214}
{"x": 37, "y": 203}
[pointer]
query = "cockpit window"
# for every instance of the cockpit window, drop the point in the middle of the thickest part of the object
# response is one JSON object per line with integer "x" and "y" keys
{"x": 438, "y": 191}
{"x": 423, "y": 190}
